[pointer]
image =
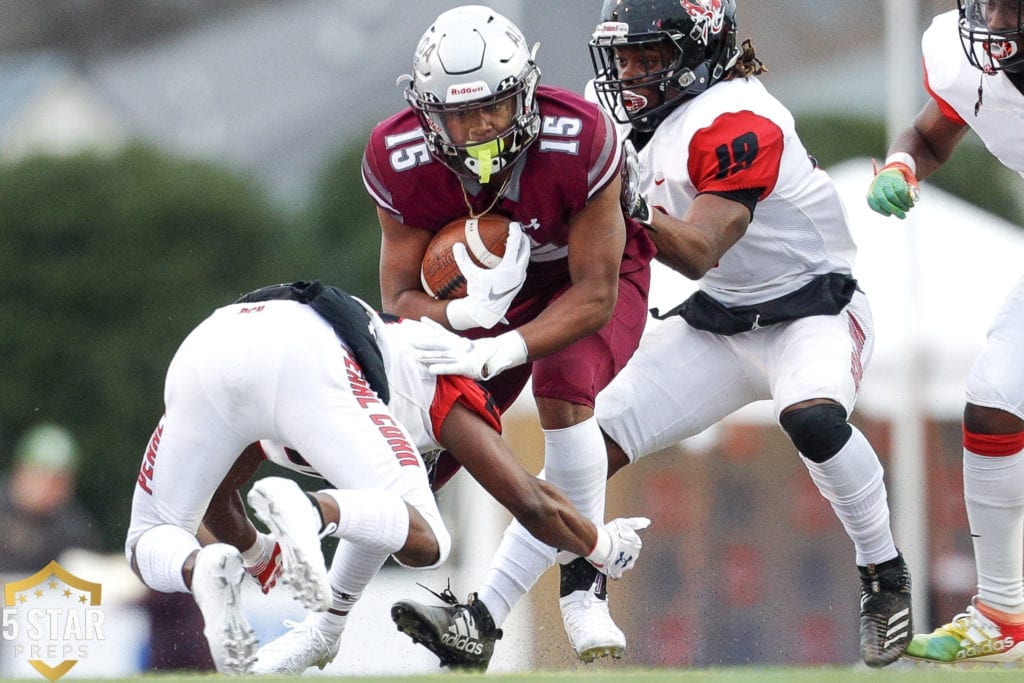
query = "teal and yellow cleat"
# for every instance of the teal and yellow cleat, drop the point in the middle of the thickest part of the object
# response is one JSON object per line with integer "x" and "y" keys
{"x": 970, "y": 637}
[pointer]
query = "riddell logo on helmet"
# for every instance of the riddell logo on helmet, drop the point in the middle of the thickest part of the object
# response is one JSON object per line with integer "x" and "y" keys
{"x": 463, "y": 90}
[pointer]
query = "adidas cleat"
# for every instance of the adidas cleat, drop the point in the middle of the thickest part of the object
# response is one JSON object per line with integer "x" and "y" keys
{"x": 971, "y": 637}
{"x": 461, "y": 635}
{"x": 885, "y": 615}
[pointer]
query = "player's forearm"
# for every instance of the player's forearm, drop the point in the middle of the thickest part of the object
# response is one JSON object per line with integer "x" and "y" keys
{"x": 581, "y": 311}
{"x": 555, "y": 521}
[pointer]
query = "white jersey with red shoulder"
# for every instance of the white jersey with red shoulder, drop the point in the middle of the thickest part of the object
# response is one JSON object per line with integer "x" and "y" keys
{"x": 420, "y": 402}
{"x": 736, "y": 136}
{"x": 953, "y": 83}
{"x": 576, "y": 154}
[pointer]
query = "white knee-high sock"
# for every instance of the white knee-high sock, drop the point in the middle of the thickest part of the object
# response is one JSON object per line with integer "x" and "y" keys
{"x": 576, "y": 462}
{"x": 374, "y": 518}
{"x": 994, "y": 496}
{"x": 352, "y": 568}
{"x": 160, "y": 554}
{"x": 516, "y": 566}
{"x": 852, "y": 481}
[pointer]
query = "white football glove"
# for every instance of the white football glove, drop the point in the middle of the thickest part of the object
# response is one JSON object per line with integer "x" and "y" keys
{"x": 490, "y": 290}
{"x": 618, "y": 545}
{"x": 445, "y": 353}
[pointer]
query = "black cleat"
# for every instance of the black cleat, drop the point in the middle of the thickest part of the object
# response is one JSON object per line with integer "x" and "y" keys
{"x": 462, "y": 636}
{"x": 885, "y": 616}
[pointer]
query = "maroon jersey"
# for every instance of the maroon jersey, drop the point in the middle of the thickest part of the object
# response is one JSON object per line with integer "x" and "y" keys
{"x": 576, "y": 154}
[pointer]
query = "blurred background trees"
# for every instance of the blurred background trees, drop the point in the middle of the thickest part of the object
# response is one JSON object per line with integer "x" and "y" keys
{"x": 107, "y": 262}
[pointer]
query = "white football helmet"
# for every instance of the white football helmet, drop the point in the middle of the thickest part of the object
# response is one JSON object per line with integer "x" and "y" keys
{"x": 470, "y": 59}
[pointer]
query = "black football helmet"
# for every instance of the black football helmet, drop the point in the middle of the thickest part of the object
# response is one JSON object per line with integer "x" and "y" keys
{"x": 702, "y": 37}
{"x": 992, "y": 34}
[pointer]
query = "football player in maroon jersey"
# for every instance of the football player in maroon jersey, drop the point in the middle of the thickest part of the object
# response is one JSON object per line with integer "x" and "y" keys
{"x": 567, "y": 305}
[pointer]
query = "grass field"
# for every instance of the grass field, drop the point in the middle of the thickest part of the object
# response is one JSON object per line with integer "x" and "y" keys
{"x": 899, "y": 673}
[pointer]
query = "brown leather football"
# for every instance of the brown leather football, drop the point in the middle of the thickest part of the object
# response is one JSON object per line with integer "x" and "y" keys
{"x": 484, "y": 238}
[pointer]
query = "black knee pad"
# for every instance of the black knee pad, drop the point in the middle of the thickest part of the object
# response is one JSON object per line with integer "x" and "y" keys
{"x": 818, "y": 431}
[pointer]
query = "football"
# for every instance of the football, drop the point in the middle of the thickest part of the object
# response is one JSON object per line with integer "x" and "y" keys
{"x": 484, "y": 238}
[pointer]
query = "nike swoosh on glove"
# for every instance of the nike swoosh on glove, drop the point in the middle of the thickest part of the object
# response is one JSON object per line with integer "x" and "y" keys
{"x": 490, "y": 291}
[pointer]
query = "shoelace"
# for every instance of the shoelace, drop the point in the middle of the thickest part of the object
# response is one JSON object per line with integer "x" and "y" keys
{"x": 445, "y": 596}
{"x": 297, "y": 628}
{"x": 972, "y": 626}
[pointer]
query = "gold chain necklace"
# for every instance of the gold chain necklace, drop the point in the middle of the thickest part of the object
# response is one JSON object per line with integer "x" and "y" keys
{"x": 497, "y": 198}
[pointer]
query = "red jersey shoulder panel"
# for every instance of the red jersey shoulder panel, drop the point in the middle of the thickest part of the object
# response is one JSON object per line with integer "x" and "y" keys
{"x": 738, "y": 151}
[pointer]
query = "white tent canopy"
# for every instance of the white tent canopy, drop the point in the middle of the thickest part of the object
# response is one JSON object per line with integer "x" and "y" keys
{"x": 935, "y": 282}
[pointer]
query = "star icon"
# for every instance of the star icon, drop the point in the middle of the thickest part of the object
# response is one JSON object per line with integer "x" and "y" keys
{"x": 67, "y": 592}
{"x": 81, "y": 599}
{"x": 39, "y": 592}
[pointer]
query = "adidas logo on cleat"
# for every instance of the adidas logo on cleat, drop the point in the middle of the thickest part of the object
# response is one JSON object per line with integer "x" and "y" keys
{"x": 463, "y": 643}
{"x": 989, "y": 647}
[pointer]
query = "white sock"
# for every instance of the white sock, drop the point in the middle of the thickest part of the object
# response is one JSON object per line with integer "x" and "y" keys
{"x": 374, "y": 518}
{"x": 518, "y": 563}
{"x": 994, "y": 496}
{"x": 255, "y": 558}
{"x": 352, "y": 568}
{"x": 576, "y": 462}
{"x": 852, "y": 481}
{"x": 330, "y": 624}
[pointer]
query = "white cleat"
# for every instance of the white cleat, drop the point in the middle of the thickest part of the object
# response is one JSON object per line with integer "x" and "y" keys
{"x": 289, "y": 514}
{"x": 589, "y": 625}
{"x": 300, "y": 648}
{"x": 217, "y": 589}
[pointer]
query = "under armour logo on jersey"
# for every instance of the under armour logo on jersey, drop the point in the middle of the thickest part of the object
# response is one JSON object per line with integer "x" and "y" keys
{"x": 534, "y": 224}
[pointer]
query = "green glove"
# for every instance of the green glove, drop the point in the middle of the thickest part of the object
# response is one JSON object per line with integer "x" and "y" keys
{"x": 894, "y": 191}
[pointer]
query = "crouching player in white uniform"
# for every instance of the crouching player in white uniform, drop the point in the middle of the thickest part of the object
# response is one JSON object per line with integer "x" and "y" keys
{"x": 732, "y": 199}
{"x": 423, "y": 413}
{"x": 979, "y": 87}
{"x": 277, "y": 370}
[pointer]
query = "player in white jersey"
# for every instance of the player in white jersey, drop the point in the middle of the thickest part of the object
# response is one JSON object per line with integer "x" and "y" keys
{"x": 290, "y": 371}
{"x": 732, "y": 199}
{"x": 323, "y": 374}
{"x": 979, "y": 87}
